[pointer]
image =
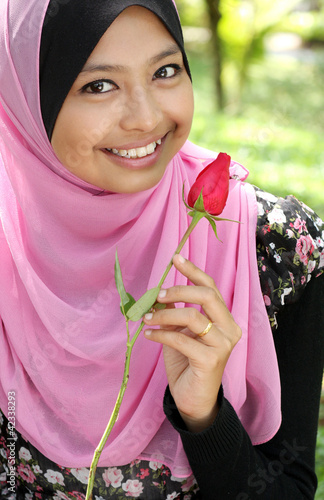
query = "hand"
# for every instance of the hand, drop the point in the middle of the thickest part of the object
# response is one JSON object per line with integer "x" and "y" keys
{"x": 194, "y": 365}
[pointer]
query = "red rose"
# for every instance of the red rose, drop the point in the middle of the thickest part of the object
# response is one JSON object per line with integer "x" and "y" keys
{"x": 213, "y": 182}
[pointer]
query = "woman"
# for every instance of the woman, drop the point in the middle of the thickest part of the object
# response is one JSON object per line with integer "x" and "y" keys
{"x": 96, "y": 108}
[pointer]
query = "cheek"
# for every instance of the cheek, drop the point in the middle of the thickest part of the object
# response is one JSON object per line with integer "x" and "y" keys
{"x": 183, "y": 109}
{"x": 76, "y": 133}
{"x": 185, "y": 104}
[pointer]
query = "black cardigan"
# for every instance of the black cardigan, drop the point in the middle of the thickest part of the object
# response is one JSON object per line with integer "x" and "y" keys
{"x": 223, "y": 459}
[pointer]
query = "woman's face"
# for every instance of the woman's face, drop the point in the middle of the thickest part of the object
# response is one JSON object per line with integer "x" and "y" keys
{"x": 129, "y": 110}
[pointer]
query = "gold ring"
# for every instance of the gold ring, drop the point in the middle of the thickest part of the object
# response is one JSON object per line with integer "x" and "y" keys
{"x": 208, "y": 327}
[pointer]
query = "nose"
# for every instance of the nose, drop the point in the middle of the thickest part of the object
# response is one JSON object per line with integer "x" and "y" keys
{"x": 141, "y": 111}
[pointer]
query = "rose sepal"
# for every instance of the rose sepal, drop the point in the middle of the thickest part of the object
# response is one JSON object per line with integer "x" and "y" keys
{"x": 200, "y": 207}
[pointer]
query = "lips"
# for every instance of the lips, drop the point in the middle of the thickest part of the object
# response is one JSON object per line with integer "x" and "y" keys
{"x": 134, "y": 153}
{"x": 127, "y": 156}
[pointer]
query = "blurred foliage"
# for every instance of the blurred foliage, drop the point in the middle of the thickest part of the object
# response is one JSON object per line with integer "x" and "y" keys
{"x": 308, "y": 25}
{"x": 278, "y": 133}
{"x": 192, "y": 12}
{"x": 243, "y": 29}
{"x": 275, "y": 124}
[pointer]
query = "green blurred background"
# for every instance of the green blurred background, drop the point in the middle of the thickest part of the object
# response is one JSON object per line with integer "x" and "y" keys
{"x": 258, "y": 74}
{"x": 258, "y": 82}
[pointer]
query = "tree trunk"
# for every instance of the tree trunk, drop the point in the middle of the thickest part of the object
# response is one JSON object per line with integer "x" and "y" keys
{"x": 214, "y": 18}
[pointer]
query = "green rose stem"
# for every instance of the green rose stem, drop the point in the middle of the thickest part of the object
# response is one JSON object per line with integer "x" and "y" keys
{"x": 196, "y": 216}
{"x": 195, "y": 219}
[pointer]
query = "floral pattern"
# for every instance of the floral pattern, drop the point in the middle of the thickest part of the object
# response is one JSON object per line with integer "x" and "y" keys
{"x": 290, "y": 251}
{"x": 37, "y": 478}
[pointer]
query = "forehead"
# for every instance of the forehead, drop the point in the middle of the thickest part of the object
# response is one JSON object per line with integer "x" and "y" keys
{"x": 136, "y": 32}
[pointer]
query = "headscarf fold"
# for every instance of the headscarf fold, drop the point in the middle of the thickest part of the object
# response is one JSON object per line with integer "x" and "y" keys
{"x": 62, "y": 336}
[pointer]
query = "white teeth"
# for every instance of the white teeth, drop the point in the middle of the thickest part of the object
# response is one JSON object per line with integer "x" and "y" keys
{"x": 132, "y": 153}
{"x": 141, "y": 152}
{"x": 138, "y": 152}
{"x": 150, "y": 148}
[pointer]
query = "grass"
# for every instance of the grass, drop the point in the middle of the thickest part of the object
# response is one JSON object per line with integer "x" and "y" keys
{"x": 276, "y": 131}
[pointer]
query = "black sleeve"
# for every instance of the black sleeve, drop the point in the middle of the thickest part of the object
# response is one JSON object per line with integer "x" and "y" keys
{"x": 223, "y": 459}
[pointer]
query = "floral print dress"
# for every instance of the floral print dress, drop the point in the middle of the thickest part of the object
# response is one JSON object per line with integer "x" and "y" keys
{"x": 39, "y": 478}
{"x": 290, "y": 249}
{"x": 290, "y": 252}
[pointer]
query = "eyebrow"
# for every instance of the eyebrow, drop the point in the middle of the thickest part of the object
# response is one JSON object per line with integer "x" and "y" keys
{"x": 91, "y": 68}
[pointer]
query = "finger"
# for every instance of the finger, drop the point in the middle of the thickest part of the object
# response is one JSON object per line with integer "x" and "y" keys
{"x": 195, "y": 275}
{"x": 185, "y": 344}
{"x": 166, "y": 326}
{"x": 187, "y": 317}
{"x": 206, "y": 297}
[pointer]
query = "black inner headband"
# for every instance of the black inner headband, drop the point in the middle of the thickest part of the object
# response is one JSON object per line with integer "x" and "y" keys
{"x": 72, "y": 29}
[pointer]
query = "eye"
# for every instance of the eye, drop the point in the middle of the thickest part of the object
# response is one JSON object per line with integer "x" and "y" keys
{"x": 168, "y": 71}
{"x": 99, "y": 87}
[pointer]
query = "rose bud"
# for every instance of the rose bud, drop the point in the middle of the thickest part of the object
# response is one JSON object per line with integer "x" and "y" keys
{"x": 213, "y": 183}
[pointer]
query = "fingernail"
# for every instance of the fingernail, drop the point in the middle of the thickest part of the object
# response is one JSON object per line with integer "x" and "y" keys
{"x": 148, "y": 332}
{"x": 162, "y": 294}
{"x": 148, "y": 316}
{"x": 182, "y": 260}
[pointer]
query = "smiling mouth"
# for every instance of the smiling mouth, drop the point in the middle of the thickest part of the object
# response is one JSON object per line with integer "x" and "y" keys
{"x": 136, "y": 152}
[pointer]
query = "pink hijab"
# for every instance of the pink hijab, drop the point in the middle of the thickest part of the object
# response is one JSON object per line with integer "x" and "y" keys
{"x": 62, "y": 336}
